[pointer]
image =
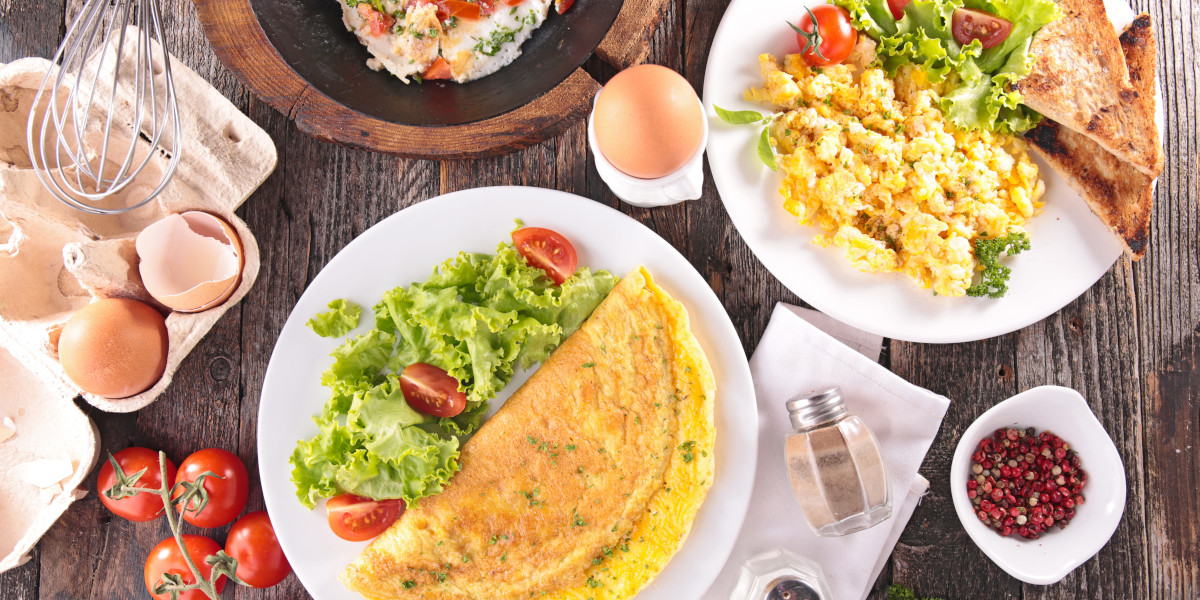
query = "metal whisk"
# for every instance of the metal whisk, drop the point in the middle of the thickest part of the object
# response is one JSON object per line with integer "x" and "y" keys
{"x": 110, "y": 110}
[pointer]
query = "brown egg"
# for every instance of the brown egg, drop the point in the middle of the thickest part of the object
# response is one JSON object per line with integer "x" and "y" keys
{"x": 648, "y": 121}
{"x": 114, "y": 347}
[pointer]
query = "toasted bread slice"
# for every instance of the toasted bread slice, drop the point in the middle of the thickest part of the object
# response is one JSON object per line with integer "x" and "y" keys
{"x": 1080, "y": 80}
{"x": 1119, "y": 194}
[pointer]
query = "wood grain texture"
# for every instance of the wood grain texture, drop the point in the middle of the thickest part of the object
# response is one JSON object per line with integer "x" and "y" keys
{"x": 628, "y": 42}
{"x": 1129, "y": 344}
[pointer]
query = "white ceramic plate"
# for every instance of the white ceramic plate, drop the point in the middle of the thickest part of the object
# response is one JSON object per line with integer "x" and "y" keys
{"x": 404, "y": 248}
{"x": 1056, "y": 553}
{"x": 1071, "y": 248}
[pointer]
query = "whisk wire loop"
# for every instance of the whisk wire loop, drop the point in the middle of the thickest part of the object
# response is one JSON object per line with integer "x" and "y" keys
{"x": 84, "y": 146}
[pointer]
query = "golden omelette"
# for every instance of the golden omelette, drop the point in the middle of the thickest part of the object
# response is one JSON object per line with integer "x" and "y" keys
{"x": 583, "y": 485}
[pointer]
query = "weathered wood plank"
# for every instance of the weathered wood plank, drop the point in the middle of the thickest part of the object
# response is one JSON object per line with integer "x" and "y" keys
{"x": 1168, "y": 313}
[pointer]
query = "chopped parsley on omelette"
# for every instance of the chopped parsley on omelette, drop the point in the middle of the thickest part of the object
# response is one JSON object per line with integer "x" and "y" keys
{"x": 873, "y": 163}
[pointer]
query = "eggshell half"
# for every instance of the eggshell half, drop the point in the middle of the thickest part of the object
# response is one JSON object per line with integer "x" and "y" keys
{"x": 191, "y": 261}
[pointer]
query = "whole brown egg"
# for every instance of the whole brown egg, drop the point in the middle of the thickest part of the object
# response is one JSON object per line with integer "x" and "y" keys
{"x": 114, "y": 347}
{"x": 648, "y": 121}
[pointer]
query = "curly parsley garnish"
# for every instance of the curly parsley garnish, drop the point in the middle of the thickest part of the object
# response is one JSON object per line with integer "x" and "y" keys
{"x": 994, "y": 281}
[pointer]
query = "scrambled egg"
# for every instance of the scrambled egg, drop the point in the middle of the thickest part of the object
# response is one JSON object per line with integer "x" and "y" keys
{"x": 873, "y": 163}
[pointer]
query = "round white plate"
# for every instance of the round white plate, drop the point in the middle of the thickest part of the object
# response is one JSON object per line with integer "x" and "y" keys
{"x": 404, "y": 248}
{"x": 1071, "y": 248}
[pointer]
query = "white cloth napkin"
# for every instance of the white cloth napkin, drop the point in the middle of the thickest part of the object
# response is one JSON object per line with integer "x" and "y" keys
{"x": 793, "y": 357}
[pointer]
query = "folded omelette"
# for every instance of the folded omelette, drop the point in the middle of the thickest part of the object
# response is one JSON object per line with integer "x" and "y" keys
{"x": 586, "y": 481}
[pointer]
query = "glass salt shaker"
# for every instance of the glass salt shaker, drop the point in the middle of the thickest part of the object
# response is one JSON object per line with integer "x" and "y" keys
{"x": 834, "y": 465}
{"x": 780, "y": 575}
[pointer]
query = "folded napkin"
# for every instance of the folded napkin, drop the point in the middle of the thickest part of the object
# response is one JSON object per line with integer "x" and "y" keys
{"x": 795, "y": 356}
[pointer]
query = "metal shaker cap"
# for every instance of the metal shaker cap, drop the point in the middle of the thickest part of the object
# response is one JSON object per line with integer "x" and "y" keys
{"x": 814, "y": 408}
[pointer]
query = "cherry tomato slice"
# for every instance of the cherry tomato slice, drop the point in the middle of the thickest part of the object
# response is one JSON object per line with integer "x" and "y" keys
{"x": 897, "y": 8}
{"x": 432, "y": 391}
{"x": 357, "y": 519}
{"x": 970, "y": 24}
{"x": 252, "y": 541}
{"x": 440, "y": 69}
{"x": 547, "y": 250}
{"x": 226, "y": 496}
{"x": 142, "y": 506}
{"x": 166, "y": 558}
{"x": 377, "y": 21}
{"x": 836, "y": 35}
{"x": 561, "y": 6}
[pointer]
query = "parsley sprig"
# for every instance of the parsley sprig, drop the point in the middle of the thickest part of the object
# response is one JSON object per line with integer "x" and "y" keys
{"x": 994, "y": 281}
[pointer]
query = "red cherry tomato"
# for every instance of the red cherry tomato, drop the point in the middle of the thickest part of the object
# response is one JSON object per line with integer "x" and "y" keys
{"x": 432, "y": 391}
{"x": 252, "y": 541}
{"x": 377, "y": 21}
{"x": 835, "y": 35}
{"x": 547, "y": 250}
{"x": 166, "y": 558}
{"x": 226, "y": 496}
{"x": 463, "y": 9}
{"x": 142, "y": 506}
{"x": 970, "y": 24}
{"x": 897, "y": 8}
{"x": 440, "y": 69}
{"x": 358, "y": 519}
{"x": 561, "y": 6}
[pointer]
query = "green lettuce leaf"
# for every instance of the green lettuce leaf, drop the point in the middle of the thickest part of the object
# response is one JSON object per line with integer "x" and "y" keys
{"x": 341, "y": 317}
{"x": 978, "y": 92}
{"x": 478, "y": 316}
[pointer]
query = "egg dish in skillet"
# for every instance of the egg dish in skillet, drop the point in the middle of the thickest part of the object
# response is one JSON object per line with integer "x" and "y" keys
{"x": 461, "y": 40}
{"x": 583, "y": 485}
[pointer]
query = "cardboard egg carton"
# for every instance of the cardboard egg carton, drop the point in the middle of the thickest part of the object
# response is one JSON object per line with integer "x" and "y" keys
{"x": 55, "y": 259}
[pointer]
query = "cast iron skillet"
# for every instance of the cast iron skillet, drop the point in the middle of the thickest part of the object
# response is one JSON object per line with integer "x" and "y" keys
{"x": 311, "y": 38}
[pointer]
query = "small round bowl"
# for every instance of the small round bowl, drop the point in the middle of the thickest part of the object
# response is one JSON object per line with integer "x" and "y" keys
{"x": 1057, "y": 552}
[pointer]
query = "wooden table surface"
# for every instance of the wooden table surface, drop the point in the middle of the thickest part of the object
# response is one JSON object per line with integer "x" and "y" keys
{"x": 1130, "y": 344}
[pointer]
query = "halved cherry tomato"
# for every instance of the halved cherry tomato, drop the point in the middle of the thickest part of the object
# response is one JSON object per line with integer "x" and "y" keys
{"x": 166, "y": 558}
{"x": 970, "y": 24}
{"x": 432, "y": 391}
{"x": 142, "y": 506}
{"x": 897, "y": 8}
{"x": 440, "y": 69}
{"x": 226, "y": 496}
{"x": 252, "y": 541}
{"x": 561, "y": 6}
{"x": 358, "y": 519}
{"x": 377, "y": 21}
{"x": 547, "y": 250}
{"x": 835, "y": 35}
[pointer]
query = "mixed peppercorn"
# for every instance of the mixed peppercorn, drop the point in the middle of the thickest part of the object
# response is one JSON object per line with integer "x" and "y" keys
{"x": 1025, "y": 483}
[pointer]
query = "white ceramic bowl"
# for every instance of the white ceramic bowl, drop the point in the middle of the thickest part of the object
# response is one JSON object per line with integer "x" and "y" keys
{"x": 1056, "y": 553}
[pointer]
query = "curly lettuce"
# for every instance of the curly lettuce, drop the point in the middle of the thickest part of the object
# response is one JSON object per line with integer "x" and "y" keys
{"x": 340, "y": 319}
{"x": 478, "y": 316}
{"x": 978, "y": 92}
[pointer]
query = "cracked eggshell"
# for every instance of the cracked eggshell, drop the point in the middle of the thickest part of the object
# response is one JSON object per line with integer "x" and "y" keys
{"x": 190, "y": 261}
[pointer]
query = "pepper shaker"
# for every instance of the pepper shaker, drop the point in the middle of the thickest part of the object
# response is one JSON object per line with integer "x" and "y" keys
{"x": 834, "y": 465}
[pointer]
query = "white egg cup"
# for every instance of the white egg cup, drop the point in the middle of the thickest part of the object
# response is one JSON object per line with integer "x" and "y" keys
{"x": 686, "y": 183}
{"x": 1056, "y": 553}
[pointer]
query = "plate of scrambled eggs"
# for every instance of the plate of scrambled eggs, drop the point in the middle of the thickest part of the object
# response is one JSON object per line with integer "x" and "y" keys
{"x": 872, "y": 214}
{"x": 390, "y": 254}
